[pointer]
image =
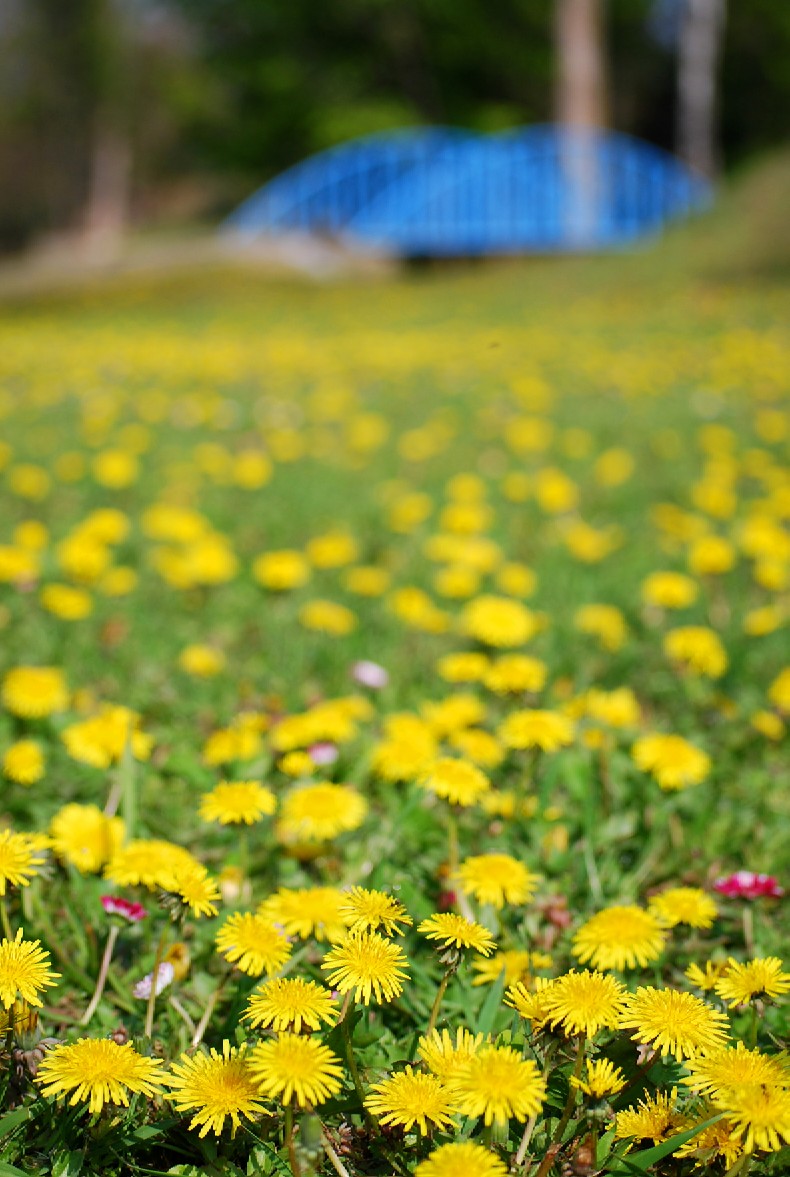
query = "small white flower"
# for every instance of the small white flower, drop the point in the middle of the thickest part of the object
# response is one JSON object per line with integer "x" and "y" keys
{"x": 164, "y": 976}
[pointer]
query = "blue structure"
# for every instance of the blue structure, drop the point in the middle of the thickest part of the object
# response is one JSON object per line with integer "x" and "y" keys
{"x": 443, "y": 192}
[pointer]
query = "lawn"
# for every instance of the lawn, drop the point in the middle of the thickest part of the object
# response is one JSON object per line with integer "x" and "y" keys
{"x": 395, "y": 679}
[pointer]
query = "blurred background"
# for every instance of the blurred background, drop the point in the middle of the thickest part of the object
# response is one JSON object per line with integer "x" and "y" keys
{"x": 157, "y": 116}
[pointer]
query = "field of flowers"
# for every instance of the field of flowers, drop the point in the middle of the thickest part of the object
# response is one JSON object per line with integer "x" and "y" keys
{"x": 393, "y": 705}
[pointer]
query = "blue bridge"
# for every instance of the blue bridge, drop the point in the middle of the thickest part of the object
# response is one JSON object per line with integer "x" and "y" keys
{"x": 442, "y": 192}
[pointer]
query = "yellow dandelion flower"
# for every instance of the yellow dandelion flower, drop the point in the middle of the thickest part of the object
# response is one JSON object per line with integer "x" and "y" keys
{"x": 673, "y": 761}
{"x": 85, "y": 837}
{"x": 533, "y": 728}
{"x": 458, "y": 781}
{"x": 674, "y": 1022}
{"x": 253, "y": 943}
{"x": 296, "y": 1067}
{"x": 289, "y": 1003}
{"x": 697, "y": 649}
{"x": 654, "y": 1118}
{"x": 759, "y": 1115}
{"x": 23, "y": 762}
{"x": 410, "y": 1097}
{"x": 517, "y": 965}
{"x": 282, "y": 570}
{"x": 499, "y": 621}
{"x": 705, "y": 976}
{"x": 499, "y": 1085}
{"x": 758, "y": 979}
{"x": 196, "y": 889}
{"x": 318, "y": 813}
{"x": 497, "y": 879}
{"x": 201, "y": 661}
{"x": 620, "y": 937}
{"x": 24, "y": 971}
{"x": 463, "y": 667}
{"x": 215, "y": 1086}
{"x": 718, "y": 1142}
{"x": 444, "y": 1055}
{"x": 367, "y": 965}
{"x": 237, "y": 802}
{"x": 605, "y": 622}
{"x": 778, "y": 691}
{"x": 453, "y": 931}
{"x": 461, "y": 1158}
{"x": 583, "y": 1003}
{"x": 669, "y": 590}
{"x": 367, "y": 911}
{"x": 20, "y": 860}
{"x": 530, "y": 1003}
{"x": 601, "y": 1079}
{"x": 99, "y": 1071}
{"x": 683, "y": 905}
{"x": 308, "y": 911}
{"x": 329, "y": 617}
{"x": 513, "y": 674}
{"x": 33, "y": 692}
{"x": 102, "y": 740}
{"x": 732, "y": 1067}
{"x": 148, "y": 862}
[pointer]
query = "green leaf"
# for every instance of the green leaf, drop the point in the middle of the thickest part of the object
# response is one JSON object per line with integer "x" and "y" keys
{"x": 68, "y": 1163}
{"x": 7, "y": 1170}
{"x": 491, "y": 1006}
{"x": 640, "y": 1162}
{"x": 12, "y": 1120}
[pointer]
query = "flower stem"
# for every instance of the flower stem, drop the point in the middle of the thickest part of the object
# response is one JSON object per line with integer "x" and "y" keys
{"x": 149, "y": 1013}
{"x": 5, "y": 920}
{"x": 437, "y": 1001}
{"x": 101, "y": 980}
{"x": 452, "y": 847}
{"x": 748, "y": 928}
{"x": 335, "y": 1160}
{"x": 570, "y": 1104}
{"x": 345, "y": 1018}
{"x": 289, "y": 1140}
{"x": 200, "y": 1029}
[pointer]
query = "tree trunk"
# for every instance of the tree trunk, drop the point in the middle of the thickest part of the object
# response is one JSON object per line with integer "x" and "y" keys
{"x": 581, "y": 88}
{"x": 698, "y": 60}
{"x": 107, "y": 204}
{"x": 581, "y": 110}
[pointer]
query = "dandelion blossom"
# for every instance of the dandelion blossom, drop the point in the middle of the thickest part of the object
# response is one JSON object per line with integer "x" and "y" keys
{"x": 620, "y": 937}
{"x": 99, "y": 1071}
{"x": 367, "y": 965}
{"x": 296, "y": 1067}
{"x": 497, "y": 879}
{"x": 459, "y": 781}
{"x": 196, "y": 889}
{"x": 444, "y": 1055}
{"x": 411, "y": 1097}
{"x": 759, "y": 978}
{"x": 499, "y": 1085}
{"x": 367, "y": 911}
{"x": 19, "y": 860}
{"x": 253, "y": 943}
{"x": 654, "y": 1118}
{"x": 673, "y": 761}
{"x": 684, "y": 905}
{"x": 215, "y": 1086}
{"x": 24, "y": 970}
{"x": 601, "y": 1080}
{"x": 23, "y": 762}
{"x": 237, "y": 802}
{"x": 674, "y": 1022}
{"x": 308, "y": 911}
{"x": 290, "y": 1003}
{"x": 734, "y": 1067}
{"x": 759, "y": 1115}
{"x": 533, "y": 728}
{"x": 453, "y": 931}
{"x": 318, "y": 813}
{"x": 583, "y": 1003}
{"x": 461, "y": 1158}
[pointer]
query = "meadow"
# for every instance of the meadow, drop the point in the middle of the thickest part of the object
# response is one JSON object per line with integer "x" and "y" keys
{"x": 395, "y": 682}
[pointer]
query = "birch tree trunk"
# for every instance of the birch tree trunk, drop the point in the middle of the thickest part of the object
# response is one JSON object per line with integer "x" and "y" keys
{"x": 699, "y": 51}
{"x": 581, "y": 110}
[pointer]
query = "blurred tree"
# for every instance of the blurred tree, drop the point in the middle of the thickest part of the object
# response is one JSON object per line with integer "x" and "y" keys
{"x": 581, "y": 69}
{"x": 699, "y": 52}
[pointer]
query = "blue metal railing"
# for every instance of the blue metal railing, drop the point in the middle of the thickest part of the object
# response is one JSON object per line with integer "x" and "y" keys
{"x": 440, "y": 191}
